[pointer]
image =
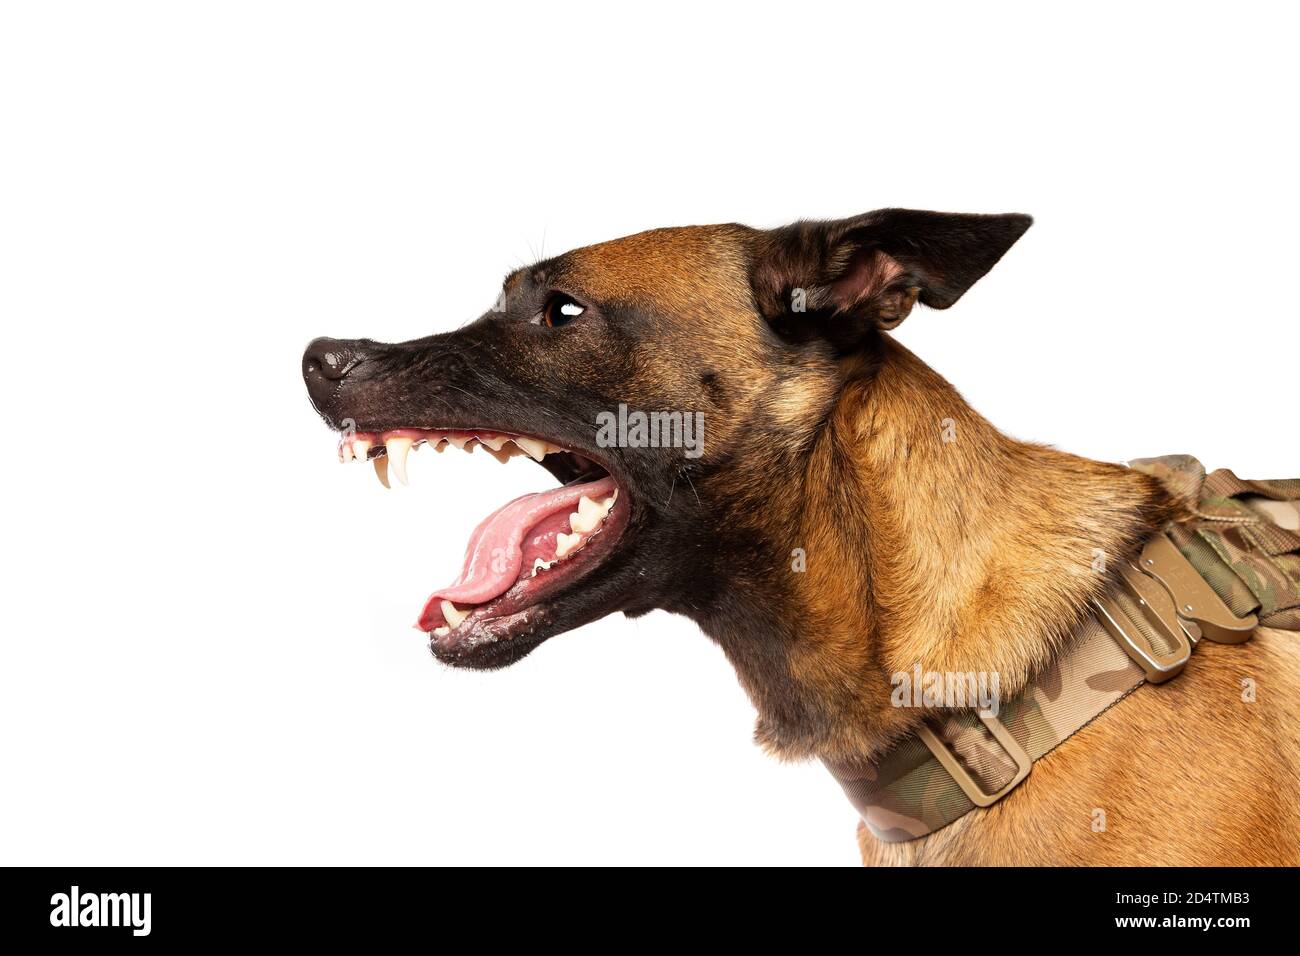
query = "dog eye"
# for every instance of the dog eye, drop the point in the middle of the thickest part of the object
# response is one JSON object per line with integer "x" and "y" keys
{"x": 558, "y": 310}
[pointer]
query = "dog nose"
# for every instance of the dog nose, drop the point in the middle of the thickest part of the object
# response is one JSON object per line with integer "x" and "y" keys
{"x": 327, "y": 362}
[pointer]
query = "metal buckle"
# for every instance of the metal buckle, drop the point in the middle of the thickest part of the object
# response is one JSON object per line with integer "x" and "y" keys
{"x": 1195, "y": 601}
{"x": 958, "y": 773}
{"x": 1157, "y": 609}
{"x": 1176, "y": 603}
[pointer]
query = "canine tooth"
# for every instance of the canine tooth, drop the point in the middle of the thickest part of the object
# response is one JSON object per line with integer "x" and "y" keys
{"x": 587, "y": 517}
{"x": 564, "y": 543}
{"x": 453, "y": 614}
{"x": 441, "y": 631}
{"x": 361, "y": 448}
{"x": 397, "y": 450}
{"x": 381, "y": 469}
{"x": 345, "y": 451}
{"x": 534, "y": 449}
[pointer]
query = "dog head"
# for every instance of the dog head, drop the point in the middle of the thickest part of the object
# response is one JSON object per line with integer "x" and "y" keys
{"x": 673, "y": 382}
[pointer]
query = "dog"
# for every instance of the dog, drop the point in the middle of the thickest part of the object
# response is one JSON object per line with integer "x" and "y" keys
{"x": 823, "y": 527}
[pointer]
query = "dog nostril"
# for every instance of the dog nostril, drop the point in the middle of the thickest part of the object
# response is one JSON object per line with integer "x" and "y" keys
{"x": 329, "y": 359}
{"x": 334, "y": 364}
{"x": 325, "y": 364}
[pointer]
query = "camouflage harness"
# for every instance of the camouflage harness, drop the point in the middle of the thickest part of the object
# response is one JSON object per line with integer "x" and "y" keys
{"x": 1234, "y": 567}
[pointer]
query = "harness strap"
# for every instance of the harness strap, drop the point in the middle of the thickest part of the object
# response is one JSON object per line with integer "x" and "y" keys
{"x": 1245, "y": 544}
{"x": 1246, "y": 541}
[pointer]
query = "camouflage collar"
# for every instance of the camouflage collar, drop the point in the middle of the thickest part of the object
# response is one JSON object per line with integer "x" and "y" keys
{"x": 1215, "y": 578}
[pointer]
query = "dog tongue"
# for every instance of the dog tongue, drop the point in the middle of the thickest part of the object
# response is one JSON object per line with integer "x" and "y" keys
{"x": 494, "y": 557}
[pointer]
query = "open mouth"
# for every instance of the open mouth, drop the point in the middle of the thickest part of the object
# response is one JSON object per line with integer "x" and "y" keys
{"x": 522, "y": 555}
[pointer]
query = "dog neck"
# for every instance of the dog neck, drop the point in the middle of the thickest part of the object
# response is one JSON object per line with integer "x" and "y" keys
{"x": 930, "y": 540}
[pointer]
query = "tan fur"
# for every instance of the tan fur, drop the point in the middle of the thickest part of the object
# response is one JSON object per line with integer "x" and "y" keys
{"x": 974, "y": 569}
{"x": 969, "y": 555}
{"x": 974, "y": 554}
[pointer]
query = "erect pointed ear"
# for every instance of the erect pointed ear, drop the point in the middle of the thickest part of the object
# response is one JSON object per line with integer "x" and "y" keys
{"x": 847, "y": 277}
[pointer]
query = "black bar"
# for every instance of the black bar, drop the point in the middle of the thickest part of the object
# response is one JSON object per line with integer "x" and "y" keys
{"x": 333, "y": 905}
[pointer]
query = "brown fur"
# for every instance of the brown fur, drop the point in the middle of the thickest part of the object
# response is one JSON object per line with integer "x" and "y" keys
{"x": 975, "y": 555}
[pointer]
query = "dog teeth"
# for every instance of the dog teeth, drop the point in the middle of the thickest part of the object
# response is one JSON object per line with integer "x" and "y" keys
{"x": 393, "y": 453}
{"x": 564, "y": 543}
{"x": 583, "y": 522}
{"x": 590, "y": 514}
{"x": 441, "y": 631}
{"x": 453, "y": 614}
{"x": 397, "y": 452}
{"x": 503, "y": 454}
{"x": 540, "y": 565}
{"x": 534, "y": 449}
{"x": 587, "y": 516}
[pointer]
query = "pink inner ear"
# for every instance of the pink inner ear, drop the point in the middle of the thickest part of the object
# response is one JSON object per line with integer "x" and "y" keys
{"x": 869, "y": 273}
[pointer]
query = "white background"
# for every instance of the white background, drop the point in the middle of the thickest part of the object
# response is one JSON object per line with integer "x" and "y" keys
{"x": 207, "y": 652}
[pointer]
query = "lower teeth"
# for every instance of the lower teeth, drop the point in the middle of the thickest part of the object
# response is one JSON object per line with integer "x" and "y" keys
{"x": 583, "y": 523}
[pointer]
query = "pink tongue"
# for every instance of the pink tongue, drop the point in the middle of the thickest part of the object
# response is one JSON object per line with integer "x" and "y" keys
{"x": 495, "y": 556}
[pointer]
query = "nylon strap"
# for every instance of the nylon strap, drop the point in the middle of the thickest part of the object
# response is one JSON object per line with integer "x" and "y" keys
{"x": 1245, "y": 542}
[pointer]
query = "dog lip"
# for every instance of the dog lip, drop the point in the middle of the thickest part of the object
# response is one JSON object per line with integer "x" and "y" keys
{"x": 486, "y": 645}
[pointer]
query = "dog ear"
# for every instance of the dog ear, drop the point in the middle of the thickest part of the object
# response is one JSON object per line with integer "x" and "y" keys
{"x": 845, "y": 278}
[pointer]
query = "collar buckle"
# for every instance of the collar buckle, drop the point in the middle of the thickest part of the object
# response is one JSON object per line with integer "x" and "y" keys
{"x": 1195, "y": 602}
{"x": 969, "y": 785}
{"x": 1140, "y": 615}
{"x": 1163, "y": 607}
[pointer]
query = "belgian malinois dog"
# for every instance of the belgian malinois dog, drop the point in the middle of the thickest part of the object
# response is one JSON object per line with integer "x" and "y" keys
{"x": 715, "y": 399}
